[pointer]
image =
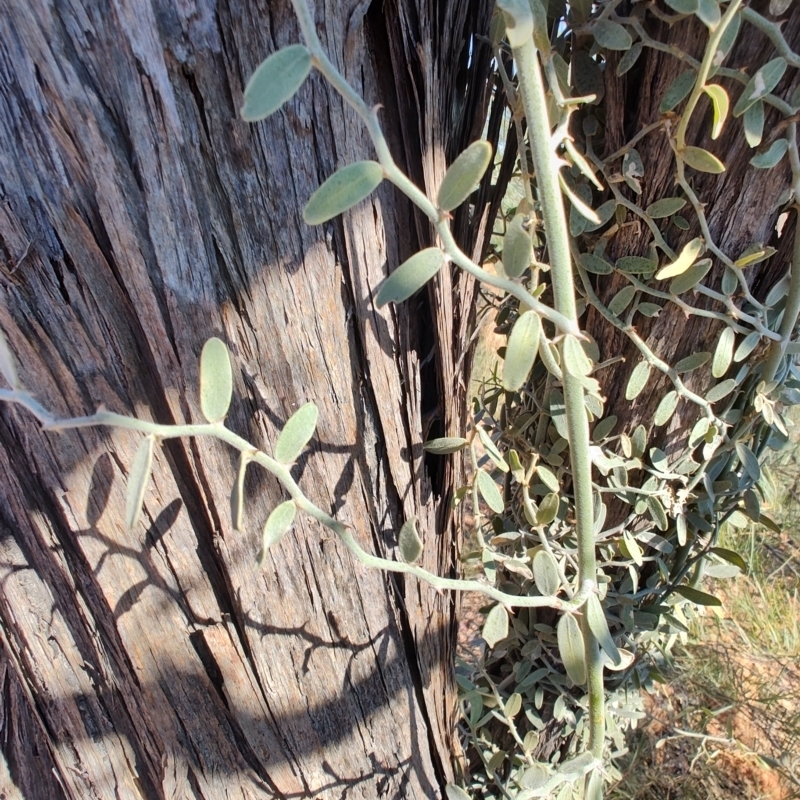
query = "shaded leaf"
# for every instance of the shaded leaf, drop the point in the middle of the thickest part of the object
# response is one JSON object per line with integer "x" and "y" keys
{"x": 753, "y": 122}
{"x": 548, "y": 509}
{"x": 547, "y": 478}
{"x": 216, "y": 380}
{"x": 731, "y": 557}
{"x": 275, "y": 81}
{"x": 635, "y": 265}
{"x": 629, "y": 59}
{"x": 682, "y": 6}
{"x": 702, "y": 160}
{"x": 754, "y": 255}
{"x": 275, "y": 528}
{"x": 697, "y": 597}
{"x": 344, "y": 189}
{"x": 633, "y": 169}
{"x": 709, "y": 12}
{"x": 491, "y": 450}
{"x": 408, "y": 541}
{"x": 749, "y": 461}
{"x": 723, "y": 355}
{"x": 685, "y": 259}
{"x": 464, "y": 175}
{"x": 690, "y": 278}
{"x": 592, "y": 263}
{"x": 611, "y": 35}
{"x": 571, "y": 648}
{"x": 746, "y": 346}
{"x": 137, "y": 481}
{"x": 665, "y": 207}
{"x": 296, "y": 433}
{"x": 410, "y": 276}
{"x": 770, "y": 158}
{"x": 523, "y": 344}
{"x": 693, "y": 361}
{"x": 666, "y": 408}
{"x": 677, "y": 91}
{"x": 621, "y": 300}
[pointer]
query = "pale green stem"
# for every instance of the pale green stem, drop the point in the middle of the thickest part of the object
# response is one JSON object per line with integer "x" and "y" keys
{"x": 532, "y": 90}
{"x": 773, "y": 31}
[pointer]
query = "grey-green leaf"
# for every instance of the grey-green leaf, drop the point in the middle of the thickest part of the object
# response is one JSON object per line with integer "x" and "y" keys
{"x": 723, "y": 355}
{"x": 409, "y": 542}
{"x": 698, "y": 597}
{"x": 574, "y": 357}
{"x": 548, "y": 509}
{"x": 545, "y": 573}
{"x": 445, "y": 446}
{"x": 665, "y": 207}
{"x": 275, "y": 528}
{"x": 137, "y": 481}
{"x": 547, "y": 477}
{"x": 489, "y": 492}
{"x": 598, "y": 625}
{"x": 7, "y": 367}
{"x": 275, "y": 81}
{"x": 721, "y": 390}
{"x": 571, "y": 648}
{"x": 678, "y": 90}
{"x": 517, "y": 246}
{"x": 611, "y": 35}
{"x": 749, "y": 461}
{"x": 595, "y": 264}
{"x": 753, "y": 122}
{"x": 296, "y": 433}
{"x": 463, "y": 175}
{"x": 682, "y": 6}
{"x": 689, "y": 279}
{"x": 637, "y": 381}
{"x": 666, "y": 408}
{"x": 762, "y": 83}
{"x": 346, "y": 187}
{"x": 523, "y": 344}
{"x": 495, "y": 628}
{"x": 629, "y": 59}
{"x": 410, "y": 276}
{"x": 701, "y": 160}
{"x": 454, "y": 792}
{"x": 635, "y": 265}
{"x": 216, "y": 380}
{"x": 770, "y": 158}
{"x": 621, "y": 300}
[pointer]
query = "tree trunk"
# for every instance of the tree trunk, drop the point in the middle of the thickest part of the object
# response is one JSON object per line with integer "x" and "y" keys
{"x": 139, "y": 217}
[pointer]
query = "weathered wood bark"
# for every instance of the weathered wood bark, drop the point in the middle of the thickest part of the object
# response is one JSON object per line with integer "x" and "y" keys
{"x": 140, "y": 216}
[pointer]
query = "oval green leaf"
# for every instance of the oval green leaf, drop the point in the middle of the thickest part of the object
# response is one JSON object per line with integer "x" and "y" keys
{"x": 721, "y": 390}
{"x": 275, "y": 81}
{"x": 666, "y": 408}
{"x": 678, "y": 90}
{"x": 495, "y": 628}
{"x": 444, "y": 446}
{"x": 571, "y": 648}
{"x": 702, "y": 160}
{"x": 598, "y": 625}
{"x": 237, "y": 493}
{"x": 621, "y": 300}
{"x": 574, "y": 357}
{"x": 770, "y": 158}
{"x": 753, "y": 122}
{"x": 746, "y": 346}
{"x": 690, "y": 278}
{"x": 761, "y": 84}
{"x": 683, "y": 6}
{"x": 216, "y": 380}
{"x": 410, "y": 276}
{"x": 685, "y": 259}
{"x": 296, "y": 433}
{"x": 548, "y": 509}
{"x": 517, "y": 246}
{"x": 697, "y": 597}
{"x": 545, "y": 573}
{"x": 523, "y": 344}
{"x": 464, "y": 175}
{"x": 489, "y": 492}
{"x": 137, "y": 481}
{"x": 346, "y": 187}
{"x": 635, "y": 265}
{"x": 720, "y": 104}
{"x": 595, "y": 264}
{"x": 637, "y": 381}
{"x": 275, "y": 528}
{"x": 611, "y": 35}
{"x": 629, "y": 59}
{"x": 409, "y": 542}
{"x": 665, "y": 207}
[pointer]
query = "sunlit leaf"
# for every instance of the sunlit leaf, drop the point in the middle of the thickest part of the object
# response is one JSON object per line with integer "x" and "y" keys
{"x": 631, "y": 548}
{"x": 575, "y": 360}
{"x": 754, "y": 255}
{"x": 749, "y": 461}
{"x": 410, "y": 276}
{"x": 276, "y": 527}
{"x": 685, "y": 259}
{"x": 598, "y": 625}
{"x": 489, "y": 492}
{"x": 545, "y": 573}
{"x": 721, "y": 104}
{"x": 491, "y": 450}
{"x": 275, "y": 81}
{"x": 408, "y": 541}
{"x": 344, "y": 189}
{"x": 621, "y": 300}
{"x": 585, "y": 210}
{"x": 296, "y": 433}
{"x": 495, "y": 627}
{"x": 216, "y": 380}
{"x": 521, "y": 350}
{"x": 464, "y": 174}
{"x": 723, "y": 354}
{"x": 444, "y": 446}
{"x": 571, "y": 648}
{"x": 637, "y": 381}
{"x": 138, "y": 479}
{"x": 702, "y": 160}
{"x": 454, "y": 792}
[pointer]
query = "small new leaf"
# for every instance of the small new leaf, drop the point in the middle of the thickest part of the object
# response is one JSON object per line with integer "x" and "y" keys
{"x": 216, "y": 380}
{"x": 346, "y": 187}
{"x": 275, "y": 81}
{"x": 464, "y": 174}
{"x": 409, "y": 542}
{"x": 275, "y": 528}
{"x": 410, "y": 276}
{"x": 296, "y": 433}
{"x": 137, "y": 481}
